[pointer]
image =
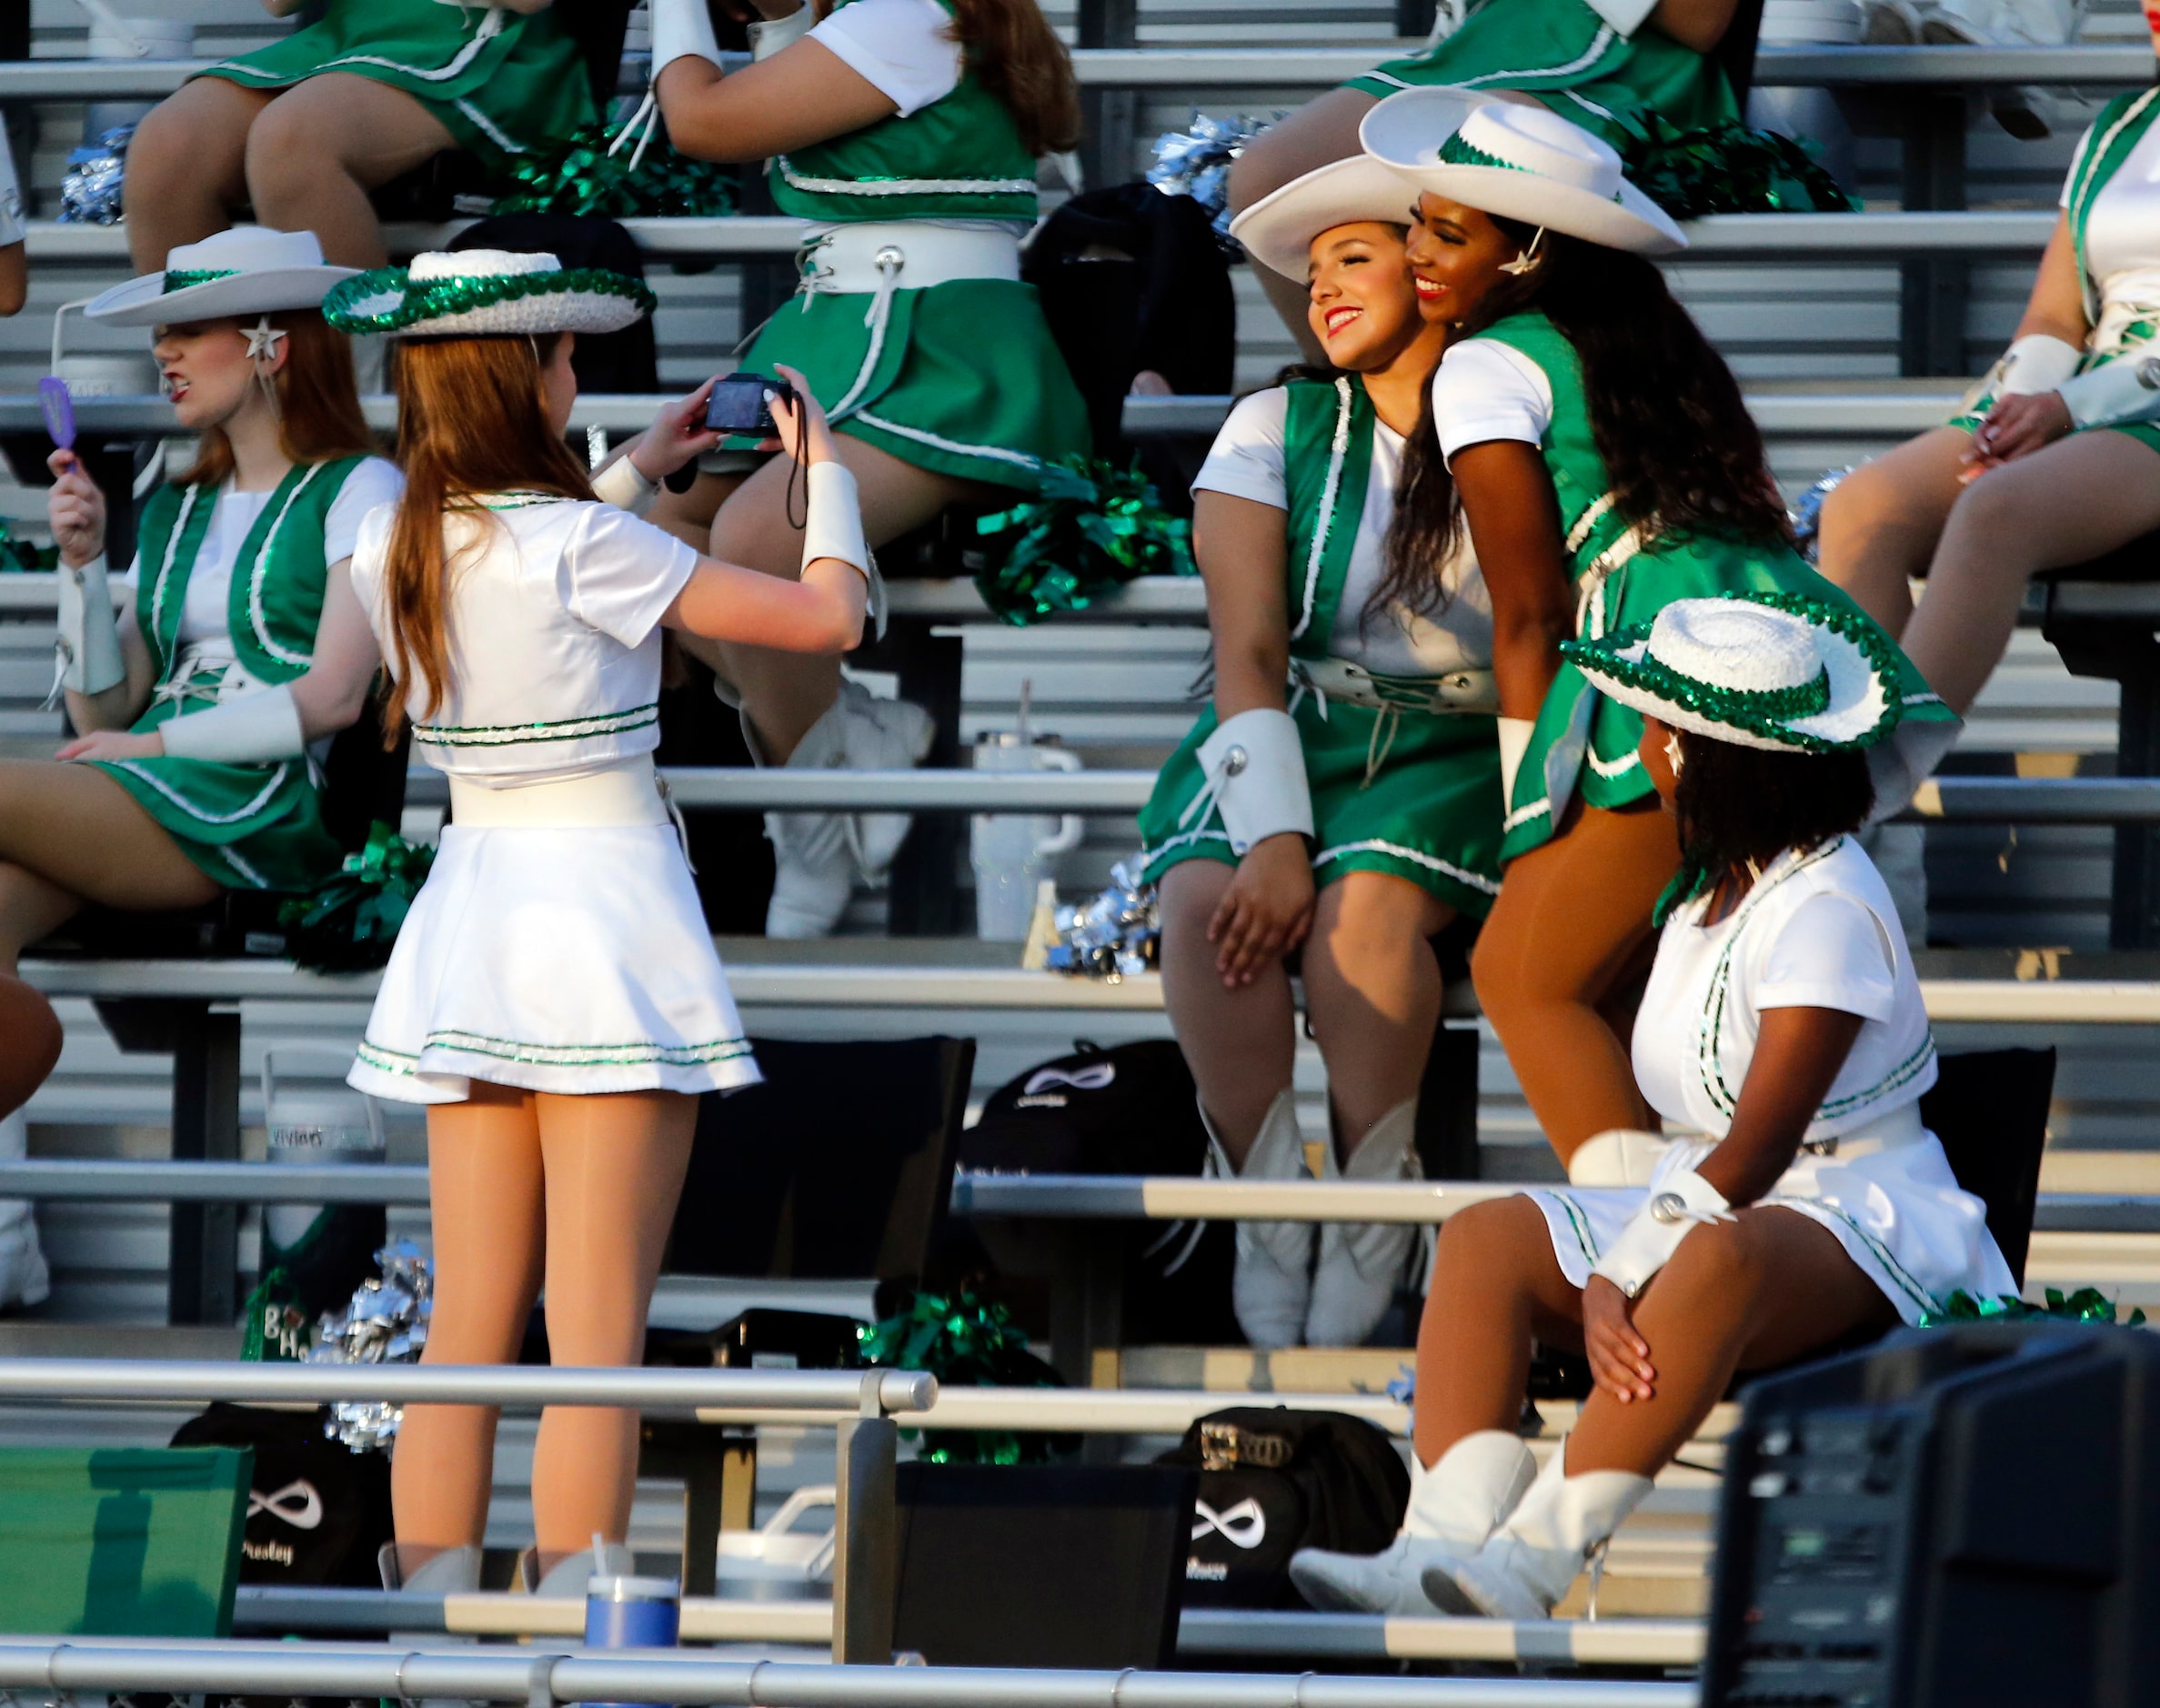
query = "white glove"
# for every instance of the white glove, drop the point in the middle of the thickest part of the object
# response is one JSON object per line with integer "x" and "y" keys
{"x": 1255, "y": 767}
{"x": 2034, "y": 363}
{"x": 1624, "y": 15}
{"x": 1515, "y": 742}
{"x": 253, "y": 728}
{"x": 769, "y": 35}
{"x": 622, "y": 486}
{"x": 1647, "y": 1243}
{"x": 2125, "y": 390}
{"x": 682, "y": 29}
{"x": 88, "y": 651}
{"x": 832, "y": 527}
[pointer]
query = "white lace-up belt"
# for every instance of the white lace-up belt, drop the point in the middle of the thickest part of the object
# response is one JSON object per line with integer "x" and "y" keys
{"x": 628, "y": 792}
{"x": 1890, "y": 1132}
{"x": 1349, "y": 684}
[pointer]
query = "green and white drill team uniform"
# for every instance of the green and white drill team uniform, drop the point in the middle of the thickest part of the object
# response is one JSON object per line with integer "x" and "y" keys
{"x": 1398, "y": 783}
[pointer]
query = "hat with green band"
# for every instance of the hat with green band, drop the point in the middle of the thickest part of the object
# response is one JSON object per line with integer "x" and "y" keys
{"x": 1279, "y": 229}
{"x": 244, "y": 271}
{"x": 1778, "y": 671}
{"x": 486, "y": 293}
{"x": 1518, "y": 160}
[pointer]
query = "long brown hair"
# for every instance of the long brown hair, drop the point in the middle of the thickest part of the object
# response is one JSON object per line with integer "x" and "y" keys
{"x": 472, "y": 419}
{"x": 1683, "y": 456}
{"x": 319, "y": 402}
{"x": 1018, "y": 58}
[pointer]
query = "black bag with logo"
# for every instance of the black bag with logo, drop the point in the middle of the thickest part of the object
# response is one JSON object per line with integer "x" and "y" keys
{"x": 317, "y": 1510}
{"x": 1273, "y": 1480}
{"x": 1128, "y": 1109}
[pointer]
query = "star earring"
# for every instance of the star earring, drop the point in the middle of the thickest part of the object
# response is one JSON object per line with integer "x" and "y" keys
{"x": 1673, "y": 756}
{"x": 263, "y": 340}
{"x": 1529, "y": 260}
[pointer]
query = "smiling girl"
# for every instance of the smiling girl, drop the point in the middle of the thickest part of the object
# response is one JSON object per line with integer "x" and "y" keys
{"x": 1341, "y": 794}
{"x": 1594, "y": 450}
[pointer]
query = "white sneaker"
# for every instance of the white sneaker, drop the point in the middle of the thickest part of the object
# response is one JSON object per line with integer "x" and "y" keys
{"x": 1454, "y": 1508}
{"x": 883, "y": 735}
{"x": 1619, "y": 1156}
{"x": 1361, "y": 1263}
{"x": 24, "y": 1279}
{"x": 1272, "y": 1285}
{"x": 1526, "y": 1564}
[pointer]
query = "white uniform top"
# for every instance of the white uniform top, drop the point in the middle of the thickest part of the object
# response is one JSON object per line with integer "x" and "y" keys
{"x": 554, "y": 640}
{"x": 1817, "y": 930}
{"x": 13, "y": 211}
{"x": 1246, "y": 462}
{"x": 2122, "y": 225}
{"x": 903, "y": 48}
{"x": 1485, "y": 390}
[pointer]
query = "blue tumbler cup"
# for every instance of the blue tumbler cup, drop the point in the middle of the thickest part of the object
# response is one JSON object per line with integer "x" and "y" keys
{"x": 629, "y": 1613}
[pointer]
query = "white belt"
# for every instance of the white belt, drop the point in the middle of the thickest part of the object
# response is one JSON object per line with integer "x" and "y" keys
{"x": 627, "y": 793}
{"x": 1465, "y": 690}
{"x": 1890, "y": 1132}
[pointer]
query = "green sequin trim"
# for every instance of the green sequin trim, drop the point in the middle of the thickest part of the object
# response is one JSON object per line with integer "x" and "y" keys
{"x": 181, "y": 278}
{"x": 438, "y": 299}
{"x": 560, "y": 1055}
{"x": 1745, "y": 709}
{"x": 561, "y": 729}
{"x": 1455, "y": 152}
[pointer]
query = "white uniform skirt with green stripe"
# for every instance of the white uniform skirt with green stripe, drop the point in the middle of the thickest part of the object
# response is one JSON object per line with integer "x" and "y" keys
{"x": 556, "y": 959}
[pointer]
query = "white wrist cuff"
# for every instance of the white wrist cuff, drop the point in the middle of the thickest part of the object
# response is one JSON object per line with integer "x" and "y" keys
{"x": 2124, "y": 390}
{"x": 769, "y": 35}
{"x": 832, "y": 527}
{"x": 1646, "y": 1244}
{"x": 87, "y": 646}
{"x": 682, "y": 29}
{"x": 2036, "y": 362}
{"x": 1624, "y": 15}
{"x": 248, "y": 729}
{"x": 622, "y": 486}
{"x": 1255, "y": 767}
{"x": 1515, "y": 742}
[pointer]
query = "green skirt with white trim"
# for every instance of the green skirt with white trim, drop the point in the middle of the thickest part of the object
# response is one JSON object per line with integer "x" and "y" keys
{"x": 967, "y": 381}
{"x": 1420, "y": 800}
{"x": 502, "y": 84}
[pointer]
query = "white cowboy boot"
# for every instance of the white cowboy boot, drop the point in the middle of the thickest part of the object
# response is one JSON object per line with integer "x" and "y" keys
{"x": 1361, "y": 1263}
{"x": 1619, "y": 1156}
{"x": 23, "y": 1278}
{"x": 1526, "y": 1565}
{"x": 1454, "y": 1508}
{"x": 883, "y": 735}
{"x": 448, "y": 1572}
{"x": 567, "y": 1575}
{"x": 1272, "y": 1285}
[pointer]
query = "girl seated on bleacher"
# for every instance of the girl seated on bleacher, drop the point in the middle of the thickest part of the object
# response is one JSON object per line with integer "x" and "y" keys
{"x": 1597, "y": 452}
{"x": 553, "y": 998}
{"x": 1783, "y": 1024}
{"x": 1342, "y": 795}
{"x": 909, "y": 130}
{"x": 2056, "y": 458}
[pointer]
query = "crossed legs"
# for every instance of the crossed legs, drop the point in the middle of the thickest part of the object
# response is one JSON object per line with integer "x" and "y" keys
{"x": 527, "y": 1186}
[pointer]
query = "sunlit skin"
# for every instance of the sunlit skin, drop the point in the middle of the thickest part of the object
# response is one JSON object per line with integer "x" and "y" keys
{"x": 1455, "y": 254}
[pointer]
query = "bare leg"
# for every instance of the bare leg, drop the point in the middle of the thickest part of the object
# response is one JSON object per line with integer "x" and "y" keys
{"x": 1572, "y": 924}
{"x": 1372, "y": 992}
{"x": 1323, "y": 130}
{"x": 318, "y": 148}
{"x": 1880, "y": 523}
{"x": 186, "y": 167}
{"x": 1763, "y": 1290}
{"x": 75, "y": 827}
{"x": 2078, "y": 499}
{"x": 615, "y": 1167}
{"x": 1240, "y": 1043}
{"x": 486, "y": 1188}
{"x": 784, "y": 692}
{"x": 688, "y": 514}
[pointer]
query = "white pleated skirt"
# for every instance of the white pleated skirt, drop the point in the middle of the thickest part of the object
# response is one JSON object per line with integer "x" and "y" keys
{"x": 1898, "y": 1211}
{"x": 553, "y": 960}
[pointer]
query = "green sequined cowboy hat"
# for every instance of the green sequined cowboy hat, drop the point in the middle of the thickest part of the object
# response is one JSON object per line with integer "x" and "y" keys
{"x": 1278, "y": 230}
{"x": 246, "y": 270}
{"x": 1521, "y": 161}
{"x": 486, "y": 293}
{"x": 1779, "y": 671}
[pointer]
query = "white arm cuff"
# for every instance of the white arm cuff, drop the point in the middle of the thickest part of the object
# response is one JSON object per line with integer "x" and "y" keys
{"x": 622, "y": 486}
{"x": 247, "y": 730}
{"x": 682, "y": 29}
{"x": 1515, "y": 742}
{"x": 1624, "y": 15}
{"x": 832, "y": 527}
{"x": 1647, "y": 1243}
{"x": 2125, "y": 389}
{"x": 2036, "y": 362}
{"x": 769, "y": 35}
{"x": 1255, "y": 765}
{"x": 88, "y": 643}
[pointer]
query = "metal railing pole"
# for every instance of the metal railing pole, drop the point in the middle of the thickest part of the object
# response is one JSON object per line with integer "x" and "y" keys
{"x": 866, "y": 1536}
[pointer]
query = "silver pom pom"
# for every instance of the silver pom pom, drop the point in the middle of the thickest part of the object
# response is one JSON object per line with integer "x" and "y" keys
{"x": 1807, "y": 515}
{"x": 385, "y": 1322}
{"x": 1195, "y": 162}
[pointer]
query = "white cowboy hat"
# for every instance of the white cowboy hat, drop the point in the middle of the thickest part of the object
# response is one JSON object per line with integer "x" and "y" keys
{"x": 1520, "y": 161}
{"x": 246, "y": 270}
{"x": 483, "y": 293}
{"x": 1278, "y": 230}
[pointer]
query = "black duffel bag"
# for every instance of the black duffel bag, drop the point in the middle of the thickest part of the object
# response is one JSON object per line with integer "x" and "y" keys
{"x": 316, "y": 1511}
{"x": 1273, "y": 1480}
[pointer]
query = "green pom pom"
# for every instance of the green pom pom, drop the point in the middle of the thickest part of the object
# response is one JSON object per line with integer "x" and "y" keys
{"x": 578, "y": 176}
{"x": 1091, "y": 528}
{"x": 2087, "y": 1305}
{"x": 348, "y": 922}
{"x": 968, "y": 1342}
{"x": 1726, "y": 169}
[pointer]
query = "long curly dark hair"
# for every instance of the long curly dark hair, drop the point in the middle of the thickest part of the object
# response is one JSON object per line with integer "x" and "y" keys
{"x": 1733, "y": 805}
{"x": 1682, "y": 453}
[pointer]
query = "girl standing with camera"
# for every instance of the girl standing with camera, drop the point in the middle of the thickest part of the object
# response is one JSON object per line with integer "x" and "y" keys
{"x": 554, "y": 999}
{"x": 908, "y": 131}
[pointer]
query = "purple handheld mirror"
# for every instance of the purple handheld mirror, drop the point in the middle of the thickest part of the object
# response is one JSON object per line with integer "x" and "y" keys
{"x": 59, "y": 410}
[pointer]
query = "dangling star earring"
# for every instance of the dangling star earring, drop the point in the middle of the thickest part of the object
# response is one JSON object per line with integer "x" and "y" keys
{"x": 263, "y": 341}
{"x": 1527, "y": 262}
{"x": 1672, "y": 752}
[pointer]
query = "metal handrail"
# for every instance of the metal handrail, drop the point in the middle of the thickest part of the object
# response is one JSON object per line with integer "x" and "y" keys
{"x": 520, "y": 1675}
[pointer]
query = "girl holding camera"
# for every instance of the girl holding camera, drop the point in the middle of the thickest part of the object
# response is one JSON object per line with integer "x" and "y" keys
{"x": 554, "y": 999}
{"x": 908, "y": 131}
